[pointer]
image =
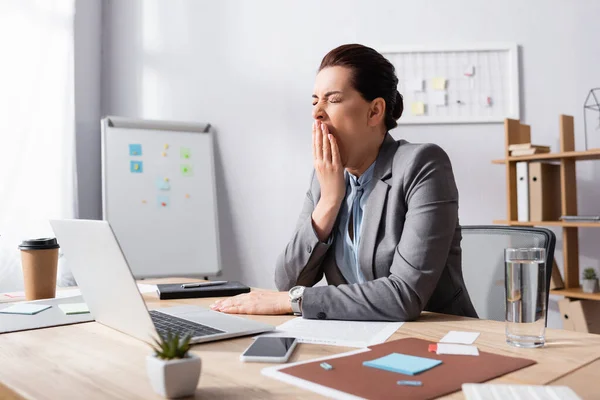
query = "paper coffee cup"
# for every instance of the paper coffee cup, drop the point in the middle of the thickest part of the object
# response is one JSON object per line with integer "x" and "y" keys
{"x": 39, "y": 258}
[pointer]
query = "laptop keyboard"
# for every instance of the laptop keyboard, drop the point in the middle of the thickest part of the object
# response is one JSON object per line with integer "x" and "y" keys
{"x": 167, "y": 323}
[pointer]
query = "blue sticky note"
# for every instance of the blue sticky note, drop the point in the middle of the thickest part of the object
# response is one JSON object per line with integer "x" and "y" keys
{"x": 162, "y": 201}
{"x": 163, "y": 184}
{"x": 135, "y": 149}
{"x": 403, "y": 364}
{"x": 136, "y": 167}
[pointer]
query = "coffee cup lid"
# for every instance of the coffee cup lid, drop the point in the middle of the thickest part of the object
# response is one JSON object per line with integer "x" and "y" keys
{"x": 39, "y": 244}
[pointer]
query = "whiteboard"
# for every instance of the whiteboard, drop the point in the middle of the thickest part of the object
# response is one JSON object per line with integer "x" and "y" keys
{"x": 159, "y": 196}
{"x": 480, "y": 83}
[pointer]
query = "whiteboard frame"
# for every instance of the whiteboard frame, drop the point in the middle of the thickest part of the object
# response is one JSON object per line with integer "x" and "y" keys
{"x": 513, "y": 79}
{"x": 130, "y": 123}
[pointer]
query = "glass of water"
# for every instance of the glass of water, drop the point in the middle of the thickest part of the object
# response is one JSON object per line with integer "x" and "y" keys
{"x": 525, "y": 284}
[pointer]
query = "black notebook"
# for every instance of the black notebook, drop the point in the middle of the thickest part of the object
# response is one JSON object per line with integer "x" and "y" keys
{"x": 175, "y": 291}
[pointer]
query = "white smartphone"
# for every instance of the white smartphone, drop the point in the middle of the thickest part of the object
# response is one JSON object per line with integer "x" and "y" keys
{"x": 270, "y": 349}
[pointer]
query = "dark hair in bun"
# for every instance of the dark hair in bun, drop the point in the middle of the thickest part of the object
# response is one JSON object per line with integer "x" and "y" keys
{"x": 373, "y": 76}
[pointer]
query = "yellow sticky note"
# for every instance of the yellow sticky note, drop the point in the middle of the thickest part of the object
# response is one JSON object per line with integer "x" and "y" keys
{"x": 438, "y": 83}
{"x": 166, "y": 179}
{"x": 166, "y": 146}
{"x": 143, "y": 201}
{"x": 417, "y": 108}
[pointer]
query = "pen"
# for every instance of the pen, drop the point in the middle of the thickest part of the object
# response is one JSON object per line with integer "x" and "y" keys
{"x": 202, "y": 284}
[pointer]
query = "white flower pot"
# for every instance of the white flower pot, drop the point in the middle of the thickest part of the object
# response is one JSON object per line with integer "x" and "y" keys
{"x": 174, "y": 378}
{"x": 590, "y": 285}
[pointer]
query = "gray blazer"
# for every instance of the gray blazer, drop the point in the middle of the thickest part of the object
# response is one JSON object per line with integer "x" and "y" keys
{"x": 409, "y": 251}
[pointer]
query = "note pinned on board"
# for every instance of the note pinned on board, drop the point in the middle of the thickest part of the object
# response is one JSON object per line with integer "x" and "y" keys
{"x": 163, "y": 184}
{"x": 136, "y": 167}
{"x": 439, "y": 98}
{"x": 26, "y": 309}
{"x": 186, "y": 153}
{"x": 438, "y": 83}
{"x": 135, "y": 149}
{"x": 403, "y": 364}
{"x": 187, "y": 170}
{"x": 74, "y": 308}
{"x": 415, "y": 85}
{"x": 417, "y": 108}
{"x": 162, "y": 201}
{"x": 469, "y": 71}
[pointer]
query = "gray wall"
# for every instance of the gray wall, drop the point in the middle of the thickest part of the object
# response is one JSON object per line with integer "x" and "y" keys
{"x": 249, "y": 67}
{"x": 88, "y": 46}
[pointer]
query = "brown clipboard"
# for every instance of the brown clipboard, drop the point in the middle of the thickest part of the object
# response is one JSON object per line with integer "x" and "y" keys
{"x": 350, "y": 376}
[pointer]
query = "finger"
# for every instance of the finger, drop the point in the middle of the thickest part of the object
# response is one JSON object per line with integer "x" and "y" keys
{"x": 232, "y": 310}
{"x": 336, "y": 160}
{"x": 319, "y": 142}
{"x": 314, "y": 128}
{"x": 326, "y": 147}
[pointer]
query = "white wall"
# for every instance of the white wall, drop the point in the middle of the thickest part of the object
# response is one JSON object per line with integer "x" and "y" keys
{"x": 248, "y": 68}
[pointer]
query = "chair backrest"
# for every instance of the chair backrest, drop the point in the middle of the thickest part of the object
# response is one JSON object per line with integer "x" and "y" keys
{"x": 483, "y": 262}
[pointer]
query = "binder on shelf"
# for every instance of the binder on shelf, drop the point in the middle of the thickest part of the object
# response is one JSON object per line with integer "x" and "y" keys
{"x": 544, "y": 191}
{"x": 522, "y": 191}
{"x": 580, "y": 315}
{"x": 565, "y": 311}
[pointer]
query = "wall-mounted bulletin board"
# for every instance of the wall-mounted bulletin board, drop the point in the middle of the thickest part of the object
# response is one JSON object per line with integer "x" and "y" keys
{"x": 457, "y": 84}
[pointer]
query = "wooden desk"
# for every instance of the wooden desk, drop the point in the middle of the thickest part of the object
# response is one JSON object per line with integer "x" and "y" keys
{"x": 92, "y": 361}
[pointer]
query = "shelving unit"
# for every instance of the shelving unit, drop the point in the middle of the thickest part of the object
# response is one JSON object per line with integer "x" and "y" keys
{"x": 517, "y": 133}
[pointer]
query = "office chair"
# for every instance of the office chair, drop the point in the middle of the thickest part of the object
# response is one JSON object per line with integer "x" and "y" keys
{"x": 483, "y": 262}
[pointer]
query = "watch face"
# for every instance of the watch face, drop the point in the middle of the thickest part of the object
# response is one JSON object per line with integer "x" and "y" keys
{"x": 297, "y": 291}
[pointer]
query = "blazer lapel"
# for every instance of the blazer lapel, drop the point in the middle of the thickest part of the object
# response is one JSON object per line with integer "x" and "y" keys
{"x": 375, "y": 206}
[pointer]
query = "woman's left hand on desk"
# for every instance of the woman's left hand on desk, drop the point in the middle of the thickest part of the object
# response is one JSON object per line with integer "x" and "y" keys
{"x": 259, "y": 302}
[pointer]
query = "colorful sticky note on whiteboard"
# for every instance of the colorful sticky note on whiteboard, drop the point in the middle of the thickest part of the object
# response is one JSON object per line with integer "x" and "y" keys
{"x": 417, "y": 108}
{"x": 135, "y": 149}
{"x": 186, "y": 153}
{"x": 438, "y": 83}
{"x": 162, "y": 201}
{"x": 163, "y": 184}
{"x": 136, "y": 167}
{"x": 187, "y": 170}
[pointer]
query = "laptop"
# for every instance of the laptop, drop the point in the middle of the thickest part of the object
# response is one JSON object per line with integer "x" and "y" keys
{"x": 111, "y": 293}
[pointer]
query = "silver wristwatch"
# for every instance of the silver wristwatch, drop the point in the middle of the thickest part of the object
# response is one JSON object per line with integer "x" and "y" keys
{"x": 296, "y": 299}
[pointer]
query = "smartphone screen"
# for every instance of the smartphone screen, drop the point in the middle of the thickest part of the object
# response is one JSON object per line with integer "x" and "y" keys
{"x": 269, "y": 347}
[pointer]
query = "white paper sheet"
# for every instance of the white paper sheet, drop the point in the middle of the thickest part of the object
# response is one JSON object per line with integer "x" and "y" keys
{"x": 337, "y": 333}
{"x": 415, "y": 85}
{"x": 457, "y": 349}
{"x": 473, "y": 391}
{"x": 460, "y": 337}
{"x": 439, "y": 98}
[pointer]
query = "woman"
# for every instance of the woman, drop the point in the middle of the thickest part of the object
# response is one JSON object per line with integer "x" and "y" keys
{"x": 380, "y": 219}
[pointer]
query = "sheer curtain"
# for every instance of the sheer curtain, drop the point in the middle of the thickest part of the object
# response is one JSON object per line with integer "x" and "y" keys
{"x": 37, "y": 128}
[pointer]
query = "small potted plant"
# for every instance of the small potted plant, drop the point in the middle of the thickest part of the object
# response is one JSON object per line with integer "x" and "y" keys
{"x": 590, "y": 281}
{"x": 172, "y": 370}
